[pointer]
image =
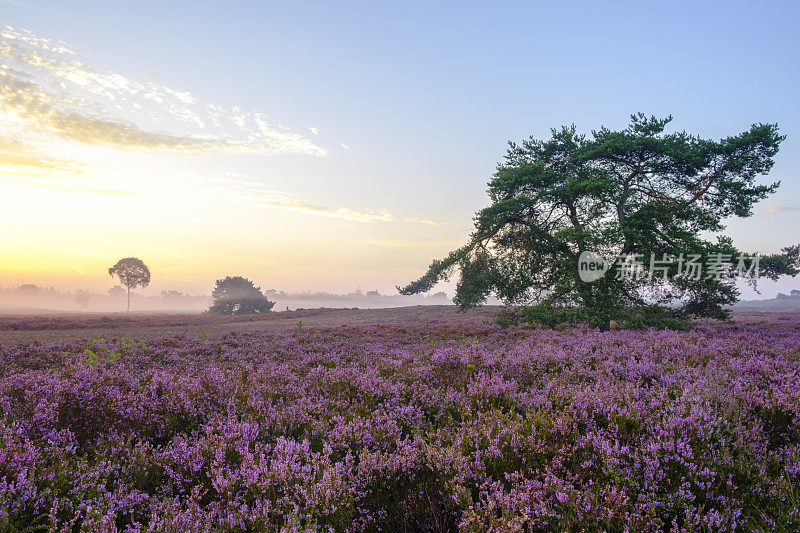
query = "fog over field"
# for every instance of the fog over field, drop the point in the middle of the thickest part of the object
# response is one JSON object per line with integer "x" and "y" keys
{"x": 31, "y": 299}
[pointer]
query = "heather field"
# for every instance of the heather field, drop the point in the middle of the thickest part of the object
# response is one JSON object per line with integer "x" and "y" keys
{"x": 409, "y": 420}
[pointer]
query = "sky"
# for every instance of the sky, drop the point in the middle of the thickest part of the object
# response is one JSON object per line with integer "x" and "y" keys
{"x": 337, "y": 145}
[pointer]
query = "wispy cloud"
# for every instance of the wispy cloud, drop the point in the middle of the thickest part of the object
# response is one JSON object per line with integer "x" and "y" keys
{"x": 313, "y": 130}
{"x": 405, "y": 243}
{"x": 25, "y": 166}
{"x": 772, "y": 207}
{"x": 27, "y": 220}
{"x": 26, "y": 5}
{"x": 16, "y": 156}
{"x": 55, "y": 184}
{"x": 46, "y": 89}
{"x": 256, "y": 194}
{"x": 424, "y": 220}
{"x": 78, "y": 251}
{"x": 22, "y": 165}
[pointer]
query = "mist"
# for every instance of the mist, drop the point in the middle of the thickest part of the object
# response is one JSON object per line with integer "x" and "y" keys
{"x": 34, "y": 299}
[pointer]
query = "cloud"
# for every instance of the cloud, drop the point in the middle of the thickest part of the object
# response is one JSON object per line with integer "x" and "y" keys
{"x": 23, "y": 165}
{"x": 345, "y": 146}
{"x": 27, "y": 220}
{"x": 16, "y": 157}
{"x": 45, "y": 89}
{"x": 26, "y": 5}
{"x": 256, "y": 194}
{"x": 315, "y": 131}
{"x": 85, "y": 188}
{"x": 78, "y": 251}
{"x": 771, "y": 207}
{"x": 404, "y": 243}
{"x": 424, "y": 220}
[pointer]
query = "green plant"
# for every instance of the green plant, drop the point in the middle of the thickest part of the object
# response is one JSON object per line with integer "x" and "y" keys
{"x": 93, "y": 358}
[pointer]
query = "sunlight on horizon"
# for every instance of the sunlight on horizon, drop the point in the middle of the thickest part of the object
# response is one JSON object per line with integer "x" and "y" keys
{"x": 94, "y": 165}
{"x": 319, "y": 153}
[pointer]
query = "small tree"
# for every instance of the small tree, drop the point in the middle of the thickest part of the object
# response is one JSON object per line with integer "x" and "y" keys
{"x": 132, "y": 273}
{"x": 236, "y": 295}
{"x": 82, "y": 298}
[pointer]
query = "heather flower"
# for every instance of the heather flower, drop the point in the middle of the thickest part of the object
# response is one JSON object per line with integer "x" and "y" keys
{"x": 430, "y": 426}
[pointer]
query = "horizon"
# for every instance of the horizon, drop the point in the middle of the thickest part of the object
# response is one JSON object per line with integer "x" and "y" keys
{"x": 311, "y": 150}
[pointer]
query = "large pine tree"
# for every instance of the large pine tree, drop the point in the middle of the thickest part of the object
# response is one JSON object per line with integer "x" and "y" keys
{"x": 638, "y": 196}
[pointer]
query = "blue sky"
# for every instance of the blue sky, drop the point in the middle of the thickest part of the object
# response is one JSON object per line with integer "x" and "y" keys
{"x": 412, "y": 104}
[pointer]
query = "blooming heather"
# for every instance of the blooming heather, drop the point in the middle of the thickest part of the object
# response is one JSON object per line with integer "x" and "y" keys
{"x": 428, "y": 427}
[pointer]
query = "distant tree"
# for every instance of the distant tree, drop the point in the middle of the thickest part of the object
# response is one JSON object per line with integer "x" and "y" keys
{"x": 132, "y": 273}
{"x": 28, "y": 289}
{"x": 172, "y": 295}
{"x": 235, "y": 295}
{"x": 634, "y": 193}
{"x": 794, "y": 292}
{"x": 116, "y": 291}
{"x": 82, "y": 298}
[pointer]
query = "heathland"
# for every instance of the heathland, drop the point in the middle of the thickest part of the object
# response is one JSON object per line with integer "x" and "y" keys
{"x": 401, "y": 419}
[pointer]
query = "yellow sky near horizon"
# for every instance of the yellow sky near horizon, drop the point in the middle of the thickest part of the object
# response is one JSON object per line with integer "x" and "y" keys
{"x": 95, "y": 166}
